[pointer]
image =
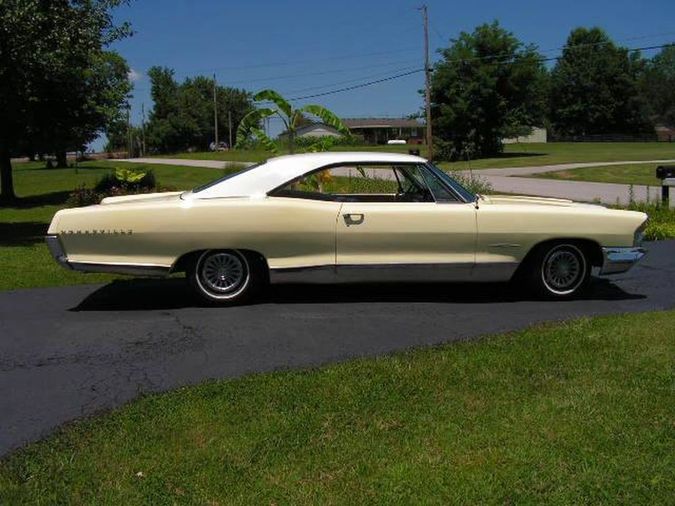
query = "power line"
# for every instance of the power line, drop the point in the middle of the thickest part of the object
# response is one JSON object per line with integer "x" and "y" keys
{"x": 457, "y": 60}
{"x": 404, "y": 74}
{"x": 357, "y": 86}
{"x": 349, "y": 81}
{"x": 300, "y": 62}
{"x": 327, "y": 72}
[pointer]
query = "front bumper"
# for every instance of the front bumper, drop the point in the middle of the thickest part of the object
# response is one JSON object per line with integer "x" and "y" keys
{"x": 616, "y": 260}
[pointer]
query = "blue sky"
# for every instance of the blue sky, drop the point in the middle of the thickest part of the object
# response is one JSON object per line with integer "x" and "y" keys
{"x": 303, "y": 47}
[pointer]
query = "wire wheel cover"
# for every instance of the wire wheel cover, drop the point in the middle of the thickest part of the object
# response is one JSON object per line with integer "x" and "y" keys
{"x": 563, "y": 270}
{"x": 222, "y": 272}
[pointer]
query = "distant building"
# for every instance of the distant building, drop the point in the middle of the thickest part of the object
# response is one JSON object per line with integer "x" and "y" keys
{"x": 381, "y": 130}
{"x": 313, "y": 130}
{"x": 537, "y": 135}
{"x": 665, "y": 133}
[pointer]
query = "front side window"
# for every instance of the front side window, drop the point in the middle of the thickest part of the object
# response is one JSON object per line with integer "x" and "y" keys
{"x": 362, "y": 183}
{"x": 458, "y": 189}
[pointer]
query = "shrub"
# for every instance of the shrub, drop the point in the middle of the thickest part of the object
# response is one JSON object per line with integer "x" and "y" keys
{"x": 134, "y": 180}
{"x": 475, "y": 184}
{"x": 114, "y": 184}
{"x": 327, "y": 141}
{"x": 661, "y": 220}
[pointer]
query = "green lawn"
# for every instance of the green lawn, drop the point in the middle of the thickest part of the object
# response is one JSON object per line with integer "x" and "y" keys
{"x": 576, "y": 413}
{"x": 638, "y": 174}
{"x": 515, "y": 155}
{"x": 23, "y": 254}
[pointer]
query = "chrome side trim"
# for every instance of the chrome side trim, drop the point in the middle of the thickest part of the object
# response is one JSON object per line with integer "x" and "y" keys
{"x": 56, "y": 249}
{"x": 494, "y": 271}
{"x": 616, "y": 260}
{"x": 430, "y": 273}
{"x": 404, "y": 273}
{"x": 121, "y": 268}
{"x": 320, "y": 274}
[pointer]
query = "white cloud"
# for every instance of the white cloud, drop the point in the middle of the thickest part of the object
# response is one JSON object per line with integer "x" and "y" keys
{"x": 133, "y": 75}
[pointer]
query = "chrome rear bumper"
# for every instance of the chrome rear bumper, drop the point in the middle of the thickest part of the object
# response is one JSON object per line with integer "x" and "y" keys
{"x": 57, "y": 251}
{"x": 616, "y": 260}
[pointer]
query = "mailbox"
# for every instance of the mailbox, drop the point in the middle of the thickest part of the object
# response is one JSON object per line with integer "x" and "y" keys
{"x": 666, "y": 173}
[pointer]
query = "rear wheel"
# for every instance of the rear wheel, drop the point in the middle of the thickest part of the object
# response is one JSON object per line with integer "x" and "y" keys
{"x": 223, "y": 277}
{"x": 560, "y": 271}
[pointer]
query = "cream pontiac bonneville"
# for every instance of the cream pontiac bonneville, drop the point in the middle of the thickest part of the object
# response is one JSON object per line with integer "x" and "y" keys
{"x": 346, "y": 217}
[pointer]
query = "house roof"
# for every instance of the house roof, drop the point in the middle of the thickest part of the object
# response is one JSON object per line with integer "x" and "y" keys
{"x": 382, "y": 123}
{"x": 309, "y": 127}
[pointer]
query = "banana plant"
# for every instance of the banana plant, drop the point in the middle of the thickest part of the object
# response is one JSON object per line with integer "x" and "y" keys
{"x": 292, "y": 118}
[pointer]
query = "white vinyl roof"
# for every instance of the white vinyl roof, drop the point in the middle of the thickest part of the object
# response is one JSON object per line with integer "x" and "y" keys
{"x": 275, "y": 172}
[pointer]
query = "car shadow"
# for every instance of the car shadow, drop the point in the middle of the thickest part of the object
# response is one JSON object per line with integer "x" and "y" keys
{"x": 174, "y": 293}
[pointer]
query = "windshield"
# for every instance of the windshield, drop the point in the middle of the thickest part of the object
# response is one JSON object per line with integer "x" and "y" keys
{"x": 227, "y": 176}
{"x": 463, "y": 192}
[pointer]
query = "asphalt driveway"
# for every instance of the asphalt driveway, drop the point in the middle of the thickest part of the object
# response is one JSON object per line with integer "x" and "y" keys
{"x": 69, "y": 352}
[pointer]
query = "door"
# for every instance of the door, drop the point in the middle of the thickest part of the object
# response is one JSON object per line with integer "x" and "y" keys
{"x": 396, "y": 224}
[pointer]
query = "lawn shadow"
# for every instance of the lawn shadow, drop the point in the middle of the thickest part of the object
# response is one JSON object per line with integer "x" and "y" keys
{"x": 23, "y": 233}
{"x": 174, "y": 293}
{"x": 55, "y": 198}
{"x": 523, "y": 154}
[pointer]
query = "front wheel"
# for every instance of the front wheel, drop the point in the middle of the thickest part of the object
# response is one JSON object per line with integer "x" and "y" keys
{"x": 560, "y": 271}
{"x": 223, "y": 277}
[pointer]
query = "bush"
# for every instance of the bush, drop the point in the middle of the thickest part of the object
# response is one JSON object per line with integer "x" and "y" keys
{"x": 661, "y": 220}
{"x": 133, "y": 180}
{"x": 475, "y": 184}
{"x": 115, "y": 184}
{"x": 327, "y": 141}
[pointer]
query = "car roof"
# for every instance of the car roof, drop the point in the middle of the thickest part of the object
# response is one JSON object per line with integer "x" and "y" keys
{"x": 265, "y": 177}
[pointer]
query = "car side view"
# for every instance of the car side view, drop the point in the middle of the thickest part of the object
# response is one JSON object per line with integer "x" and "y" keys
{"x": 346, "y": 218}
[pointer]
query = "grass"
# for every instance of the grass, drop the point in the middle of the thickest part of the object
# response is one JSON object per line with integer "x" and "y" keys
{"x": 45, "y": 191}
{"x": 636, "y": 174}
{"x": 515, "y": 155}
{"x": 576, "y": 413}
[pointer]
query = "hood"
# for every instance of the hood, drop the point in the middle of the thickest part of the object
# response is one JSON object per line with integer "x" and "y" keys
{"x": 522, "y": 200}
{"x": 141, "y": 198}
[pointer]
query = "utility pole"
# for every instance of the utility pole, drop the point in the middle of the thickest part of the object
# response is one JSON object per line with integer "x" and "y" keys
{"x": 229, "y": 127}
{"x": 215, "y": 111}
{"x": 427, "y": 77}
{"x": 143, "y": 129}
{"x": 129, "y": 141}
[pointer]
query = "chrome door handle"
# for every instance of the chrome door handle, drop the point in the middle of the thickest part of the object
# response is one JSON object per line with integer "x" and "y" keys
{"x": 353, "y": 219}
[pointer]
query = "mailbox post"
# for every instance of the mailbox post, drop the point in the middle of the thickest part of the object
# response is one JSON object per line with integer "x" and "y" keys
{"x": 666, "y": 173}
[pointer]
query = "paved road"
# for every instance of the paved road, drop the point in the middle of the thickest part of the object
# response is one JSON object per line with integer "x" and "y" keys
{"x": 582, "y": 191}
{"x": 539, "y": 169}
{"x": 207, "y": 164}
{"x": 503, "y": 180}
{"x": 69, "y": 352}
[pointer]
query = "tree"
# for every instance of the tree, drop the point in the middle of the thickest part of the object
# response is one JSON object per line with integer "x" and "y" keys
{"x": 658, "y": 86}
{"x": 488, "y": 86}
{"x": 292, "y": 118}
{"x": 58, "y": 84}
{"x": 594, "y": 87}
{"x": 182, "y": 116}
